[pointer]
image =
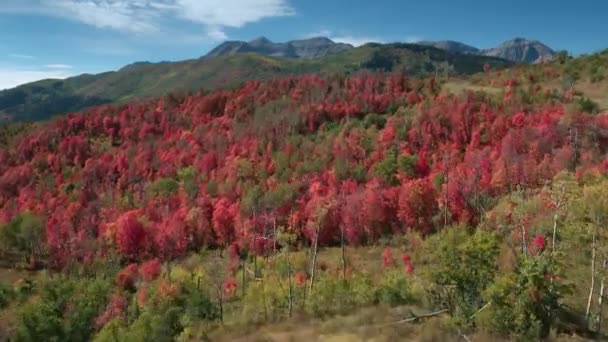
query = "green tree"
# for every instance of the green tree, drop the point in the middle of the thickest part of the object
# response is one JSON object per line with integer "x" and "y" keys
{"x": 463, "y": 265}
{"x": 164, "y": 187}
{"x": 523, "y": 304}
{"x": 24, "y": 235}
{"x": 387, "y": 168}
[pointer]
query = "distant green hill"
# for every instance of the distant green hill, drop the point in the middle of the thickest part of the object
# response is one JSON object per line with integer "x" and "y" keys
{"x": 43, "y": 99}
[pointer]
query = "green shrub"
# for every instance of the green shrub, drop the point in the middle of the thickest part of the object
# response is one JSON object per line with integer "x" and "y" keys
{"x": 197, "y": 303}
{"x": 407, "y": 164}
{"x": 588, "y": 106}
{"x": 463, "y": 265}
{"x": 332, "y": 295}
{"x": 523, "y": 303}
{"x": 268, "y": 300}
{"x": 164, "y": 187}
{"x": 394, "y": 288}
{"x": 188, "y": 176}
{"x": 387, "y": 168}
{"x": 65, "y": 311}
{"x": 39, "y": 322}
{"x": 24, "y": 235}
{"x": 113, "y": 331}
{"x": 6, "y": 295}
{"x": 374, "y": 119}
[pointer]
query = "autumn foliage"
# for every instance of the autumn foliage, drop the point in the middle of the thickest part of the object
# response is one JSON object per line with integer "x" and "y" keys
{"x": 363, "y": 156}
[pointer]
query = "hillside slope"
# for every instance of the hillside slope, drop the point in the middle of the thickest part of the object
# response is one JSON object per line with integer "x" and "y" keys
{"x": 40, "y": 100}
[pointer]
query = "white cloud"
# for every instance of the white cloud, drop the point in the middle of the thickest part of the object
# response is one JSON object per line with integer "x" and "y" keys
{"x": 58, "y": 66}
{"x": 10, "y": 77}
{"x": 148, "y": 16}
{"x": 356, "y": 41}
{"x": 321, "y": 33}
{"x": 131, "y": 16}
{"x": 344, "y": 38}
{"x": 216, "y": 34}
{"x": 413, "y": 39}
{"x": 21, "y": 56}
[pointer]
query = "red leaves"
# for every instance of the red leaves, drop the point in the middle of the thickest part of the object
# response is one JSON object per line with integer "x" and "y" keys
{"x": 518, "y": 120}
{"x": 150, "y": 270}
{"x": 387, "y": 258}
{"x": 85, "y": 173}
{"x": 388, "y": 261}
{"x": 407, "y": 263}
{"x": 127, "y": 277}
{"x": 229, "y": 287}
{"x": 537, "y": 245}
{"x": 131, "y": 235}
{"x": 224, "y": 214}
{"x": 417, "y": 204}
{"x": 116, "y": 308}
{"x": 301, "y": 278}
{"x": 167, "y": 290}
{"x": 234, "y": 253}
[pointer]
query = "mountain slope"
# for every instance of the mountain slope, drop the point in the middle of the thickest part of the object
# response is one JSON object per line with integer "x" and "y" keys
{"x": 305, "y": 48}
{"x": 518, "y": 50}
{"x": 42, "y": 99}
{"x": 521, "y": 50}
{"x": 452, "y": 46}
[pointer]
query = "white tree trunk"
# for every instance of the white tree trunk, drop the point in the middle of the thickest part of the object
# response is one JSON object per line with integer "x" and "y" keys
{"x": 600, "y": 300}
{"x": 290, "y": 294}
{"x": 554, "y": 232}
{"x": 313, "y": 267}
{"x": 592, "y": 287}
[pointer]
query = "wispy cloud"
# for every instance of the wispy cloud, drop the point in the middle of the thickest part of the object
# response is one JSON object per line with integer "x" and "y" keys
{"x": 21, "y": 56}
{"x": 58, "y": 66}
{"x": 109, "y": 50}
{"x": 149, "y": 16}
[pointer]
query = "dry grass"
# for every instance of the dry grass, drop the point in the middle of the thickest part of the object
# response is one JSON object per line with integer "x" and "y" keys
{"x": 460, "y": 86}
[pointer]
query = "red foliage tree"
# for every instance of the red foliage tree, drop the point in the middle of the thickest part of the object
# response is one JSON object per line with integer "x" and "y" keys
{"x": 131, "y": 235}
{"x": 150, "y": 270}
{"x": 417, "y": 204}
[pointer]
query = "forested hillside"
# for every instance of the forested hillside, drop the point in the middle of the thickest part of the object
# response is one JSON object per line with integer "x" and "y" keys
{"x": 313, "y": 196}
{"x": 44, "y": 99}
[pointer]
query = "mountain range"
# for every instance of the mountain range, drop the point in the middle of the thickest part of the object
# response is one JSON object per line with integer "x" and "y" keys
{"x": 305, "y": 48}
{"x": 517, "y": 50}
{"x": 234, "y": 62}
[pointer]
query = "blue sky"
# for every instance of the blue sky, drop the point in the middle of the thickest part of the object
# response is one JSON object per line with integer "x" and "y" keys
{"x": 61, "y": 38}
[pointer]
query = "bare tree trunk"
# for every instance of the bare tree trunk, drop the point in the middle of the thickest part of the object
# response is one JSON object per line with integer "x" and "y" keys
{"x": 264, "y": 300}
{"x": 255, "y": 258}
{"x": 554, "y": 232}
{"x": 343, "y": 253}
{"x": 600, "y": 300}
{"x": 447, "y": 184}
{"x": 274, "y": 234}
{"x": 220, "y": 298}
{"x": 255, "y": 251}
{"x": 244, "y": 280}
{"x": 524, "y": 250}
{"x": 290, "y": 293}
{"x": 314, "y": 261}
{"x": 592, "y": 287}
